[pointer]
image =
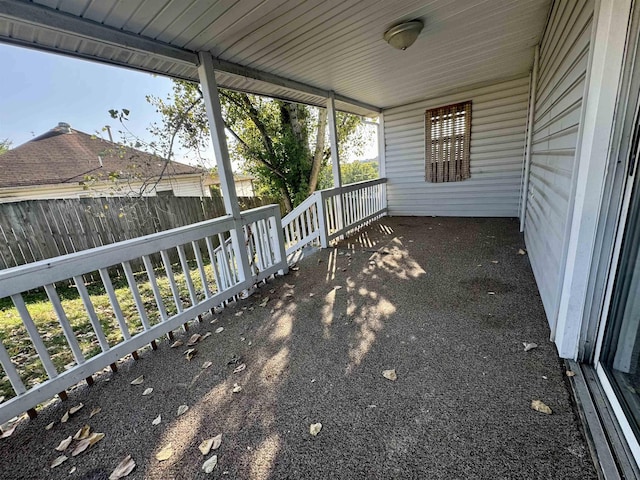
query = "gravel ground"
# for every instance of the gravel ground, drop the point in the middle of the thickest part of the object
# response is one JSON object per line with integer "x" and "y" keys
{"x": 445, "y": 302}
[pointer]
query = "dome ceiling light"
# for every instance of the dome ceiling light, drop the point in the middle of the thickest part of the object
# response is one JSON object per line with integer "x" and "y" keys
{"x": 403, "y": 35}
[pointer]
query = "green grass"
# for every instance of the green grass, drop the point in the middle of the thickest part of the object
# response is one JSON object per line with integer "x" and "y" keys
{"x": 15, "y": 339}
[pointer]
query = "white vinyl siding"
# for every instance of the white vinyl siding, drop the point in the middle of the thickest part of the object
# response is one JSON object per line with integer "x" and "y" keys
{"x": 564, "y": 56}
{"x": 498, "y": 122}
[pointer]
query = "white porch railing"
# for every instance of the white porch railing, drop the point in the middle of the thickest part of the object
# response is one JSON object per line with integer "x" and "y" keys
{"x": 332, "y": 213}
{"x": 263, "y": 235}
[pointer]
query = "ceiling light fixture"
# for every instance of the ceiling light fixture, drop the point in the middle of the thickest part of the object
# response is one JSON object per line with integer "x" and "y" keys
{"x": 403, "y": 35}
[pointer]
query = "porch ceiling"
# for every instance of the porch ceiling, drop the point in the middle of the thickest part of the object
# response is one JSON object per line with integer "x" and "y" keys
{"x": 325, "y": 45}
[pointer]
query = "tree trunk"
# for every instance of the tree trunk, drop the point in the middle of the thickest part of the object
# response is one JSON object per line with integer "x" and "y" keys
{"x": 319, "y": 152}
{"x": 288, "y": 204}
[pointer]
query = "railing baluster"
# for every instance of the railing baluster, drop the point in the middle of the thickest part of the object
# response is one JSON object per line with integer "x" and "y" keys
{"x": 148, "y": 266}
{"x": 93, "y": 318}
{"x": 226, "y": 267}
{"x": 11, "y": 372}
{"x": 187, "y": 274}
{"x": 133, "y": 287}
{"x": 64, "y": 323}
{"x": 38, "y": 344}
{"x": 111, "y": 293}
{"x": 203, "y": 275}
{"x": 172, "y": 281}
{"x": 214, "y": 264}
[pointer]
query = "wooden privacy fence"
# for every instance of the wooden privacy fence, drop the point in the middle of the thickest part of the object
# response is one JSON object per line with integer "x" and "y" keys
{"x": 36, "y": 230}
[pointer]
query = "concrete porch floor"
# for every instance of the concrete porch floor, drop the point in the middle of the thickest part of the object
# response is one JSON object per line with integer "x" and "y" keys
{"x": 446, "y": 302}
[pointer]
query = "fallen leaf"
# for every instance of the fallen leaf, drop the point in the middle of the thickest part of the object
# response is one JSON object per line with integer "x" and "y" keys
{"x": 207, "y": 364}
{"x": 65, "y": 417}
{"x": 1, "y": 398}
{"x": 539, "y": 406}
{"x": 312, "y": 294}
{"x": 208, "y": 334}
{"x": 165, "y": 453}
{"x": 8, "y": 433}
{"x": 217, "y": 441}
{"x": 190, "y": 353}
{"x": 124, "y": 468}
{"x": 195, "y": 338}
{"x": 50, "y": 426}
{"x": 236, "y": 388}
{"x": 177, "y": 343}
{"x": 148, "y": 391}
{"x": 494, "y": 261}
{"x": 529, "y": 346}
{"x": 157, "y": 420}
{"x": 59, "y": 461}
{"x": 86, "y": 443}
{"x": 210, "y": 464}
{"x": 182, "y": 409}
{"x": 138, "y": 381}
{"x": 238, "y": 314}
{"x": 95, "y": 411}
{"x": 337, "y": 287}
{"x": 314, "y": 428}
{"x": 570, "y": 373}
{"x": 76, "y": 409}
{"x": 219, "y": 329}
{"x": 522, "y": 252}
{"x": 73, "y": 470}
{"x": 82, "y": 433}
{"x": 491, "y": 293}
{"x": 390, "y": 375}
{"x": 239, "y": 368}
{"x": 264, "y": 302}
{"x": 205, "y": 446}
{"x": 64, "y": 444}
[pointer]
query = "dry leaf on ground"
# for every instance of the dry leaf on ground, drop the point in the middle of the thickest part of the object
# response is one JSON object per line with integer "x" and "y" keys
{"x": 182, "y": 409}
{"x": 264, "y": 302}
{"x": 219, "y": 329}
{"x": 236, "y": 388}
{"x": 390, "y": 375}
{"x": 82, "y": 433}
{"x": 95, "y": 411}
{"x": 539, "y": 406}
{"x": 73, "y": 470}
{"x": 59, "y": 461}
{"x": 147, "y": 391}
{"x": 165, "y": 453}
{"x": 177, "y": 343}
{"x": 207, "y": 364}
{"x": 206, "y": 335}
{"x": 8, "y": 433}
{"x": 239, "y": 368}
{"x": 314, "y": 428}
{"x": 50, "y": 426}
{"x": 217, "y": 441}
{"x": 124, "y": 468}
{"x": 190, "y": 353}
{"x": 195, "y": 338}
{"x": 86, "y": 443}
{"x": 205, "y": 446}
{"x": 76, "y": 409}
{"x": 210, "y": 464}
{"x": 522, "y": 252}
{"x": 138, "y": 381}
{"x": 570, "y": 373}
{"x": 157, "y": 420}
{"x": 65, "y": 417}
{"x": 529, "y": 346}
{"x": 238, "y": 314}
{"x": 64, "y": 444}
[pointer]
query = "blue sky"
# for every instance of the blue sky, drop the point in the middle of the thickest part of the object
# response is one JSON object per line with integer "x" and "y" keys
{"x": 41, "y": 89}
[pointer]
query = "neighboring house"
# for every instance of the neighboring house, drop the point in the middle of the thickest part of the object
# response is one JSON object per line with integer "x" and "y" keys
{"x": 67, "y": 163}
{"x": 244, "y": 184}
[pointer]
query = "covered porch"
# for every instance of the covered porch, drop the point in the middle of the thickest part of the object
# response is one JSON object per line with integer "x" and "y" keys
{"x": 446, "y": 302}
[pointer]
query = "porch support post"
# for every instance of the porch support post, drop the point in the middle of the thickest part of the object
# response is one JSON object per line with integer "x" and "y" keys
{"x": 530, "y": 120}
{"x": 382, "y": 160}
{"x": 221, "y": 152}
{"x": 608, "y": 48}
{"x": 335, "y": 157}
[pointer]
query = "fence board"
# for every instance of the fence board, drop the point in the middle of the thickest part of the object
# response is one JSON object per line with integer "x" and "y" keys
{"x": 39, "y": 229}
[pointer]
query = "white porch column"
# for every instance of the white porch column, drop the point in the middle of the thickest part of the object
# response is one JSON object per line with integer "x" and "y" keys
{"x": 207, "y": 77}
{"x": 335, "y": 157}
{"x": 382, "y": 159}
{"x": 611, "y": 24}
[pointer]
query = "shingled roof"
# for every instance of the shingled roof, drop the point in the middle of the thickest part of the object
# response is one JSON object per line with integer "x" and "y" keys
{"x": 66, "y": 155}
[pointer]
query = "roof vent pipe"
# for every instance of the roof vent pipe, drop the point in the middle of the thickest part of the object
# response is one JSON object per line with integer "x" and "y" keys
{"x": 64, "y": 127}
{"x": 108, "y": 127}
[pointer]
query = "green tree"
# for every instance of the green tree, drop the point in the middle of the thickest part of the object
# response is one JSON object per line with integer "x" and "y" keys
{"x": 283, "y": 144}
{"x": 5, "y": 145}
{"x": 351, "y": 173}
